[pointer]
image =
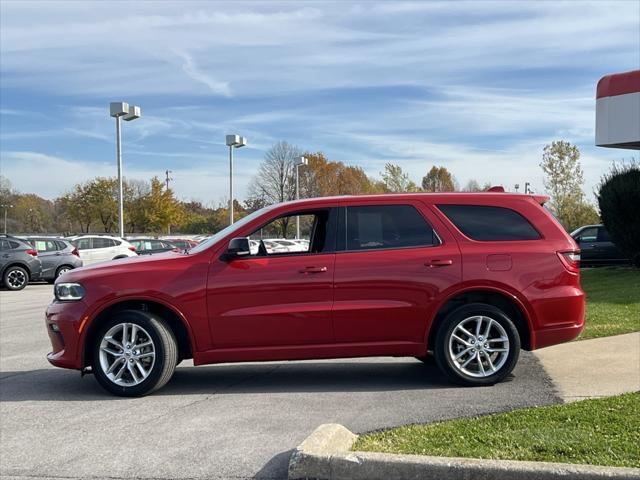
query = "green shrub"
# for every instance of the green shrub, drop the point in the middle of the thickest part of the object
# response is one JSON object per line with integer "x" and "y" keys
{"x": 619, "y": 201}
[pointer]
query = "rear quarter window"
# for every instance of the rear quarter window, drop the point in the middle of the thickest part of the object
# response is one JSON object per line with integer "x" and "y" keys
{"x": 489, "y": 223}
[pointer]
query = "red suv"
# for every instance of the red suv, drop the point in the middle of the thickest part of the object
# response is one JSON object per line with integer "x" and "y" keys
{"x": 470, "y": 278}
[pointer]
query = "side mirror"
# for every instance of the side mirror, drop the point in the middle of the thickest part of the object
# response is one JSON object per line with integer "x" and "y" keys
{"x": 238, "y": 247}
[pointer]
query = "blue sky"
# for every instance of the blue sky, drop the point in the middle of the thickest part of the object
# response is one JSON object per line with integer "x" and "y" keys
{"x": 479, "y": 87}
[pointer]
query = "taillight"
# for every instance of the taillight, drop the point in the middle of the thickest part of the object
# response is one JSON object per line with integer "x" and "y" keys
{"x": 75, "y": 252}
{"x": 570, "y": 259}
{"x": 132, "y": 248}
{"x": 32, "y": 252}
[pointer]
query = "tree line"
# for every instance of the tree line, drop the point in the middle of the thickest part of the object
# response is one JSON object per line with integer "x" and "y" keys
{"x": 151, "y": 207}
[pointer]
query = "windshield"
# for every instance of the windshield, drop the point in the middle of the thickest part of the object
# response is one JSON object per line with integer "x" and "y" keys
{"x": 230, "y": 229}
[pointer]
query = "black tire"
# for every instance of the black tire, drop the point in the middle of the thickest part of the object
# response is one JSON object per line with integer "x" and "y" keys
{"x": 452, "y": 369}
{"x": 166, "y": 353}
{"x": 15, "y": 278}
{"x": 62, "y": 269}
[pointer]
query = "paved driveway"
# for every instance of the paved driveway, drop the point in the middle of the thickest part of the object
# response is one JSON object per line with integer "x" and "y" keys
{"x": 222, "y": 421}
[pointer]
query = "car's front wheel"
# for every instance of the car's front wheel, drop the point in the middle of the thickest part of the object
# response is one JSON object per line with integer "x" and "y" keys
{"x": 134, "y": 353}
{"x": 15, "y": 278}
{"x": 477, "y": 345}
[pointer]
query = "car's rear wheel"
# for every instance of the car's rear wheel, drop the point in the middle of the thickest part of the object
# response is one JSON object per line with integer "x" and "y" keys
{"x": 62, "y": 270}
{"x": 477, "y": 345}
{"x": 134, "y": 354}
{"x": 15, "y": 278}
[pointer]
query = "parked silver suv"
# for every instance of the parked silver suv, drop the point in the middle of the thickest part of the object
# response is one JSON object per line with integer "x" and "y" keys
{"x": 19, "y": 263}
{"x": 57, "y": 255}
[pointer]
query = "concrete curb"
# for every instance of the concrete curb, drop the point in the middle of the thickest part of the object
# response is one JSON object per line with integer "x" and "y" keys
{"x": 326, "y": 454}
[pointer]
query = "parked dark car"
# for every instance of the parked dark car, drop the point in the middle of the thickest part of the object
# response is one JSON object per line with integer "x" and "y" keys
{"x": 596, "y": 248}
{"x": 19, "y": 263}
{"x": 149, "y": 246}
{"x": 57, "y": 255}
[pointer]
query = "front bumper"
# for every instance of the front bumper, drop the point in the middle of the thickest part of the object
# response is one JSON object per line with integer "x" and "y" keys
{"x": 65, "y": 322}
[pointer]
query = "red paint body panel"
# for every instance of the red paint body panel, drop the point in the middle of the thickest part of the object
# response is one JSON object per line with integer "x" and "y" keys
{"x": 362, "y": 303}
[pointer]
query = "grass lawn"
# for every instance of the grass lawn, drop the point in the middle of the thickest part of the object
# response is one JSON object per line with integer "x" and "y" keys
{"x": 613, "y": 301}
{"x": 603, "y": 431}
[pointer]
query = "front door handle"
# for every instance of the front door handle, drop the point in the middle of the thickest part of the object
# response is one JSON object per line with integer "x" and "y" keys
{"x": 439, "y": 262}
{"x": 313, "y": 270}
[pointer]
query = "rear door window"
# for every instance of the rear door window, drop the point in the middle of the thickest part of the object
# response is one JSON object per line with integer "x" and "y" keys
{"x": 488, "y": 223}
{"x": 83, "y": 244}
{"x": 103, "y": 243}
{"x": 45, "y": 245}
{"x": 384, "y": 227}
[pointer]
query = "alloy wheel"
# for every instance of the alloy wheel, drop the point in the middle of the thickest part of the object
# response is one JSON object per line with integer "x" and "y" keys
{"x": 127, "y": 354}
{"x": 16, "y": 278}
{"x": 479, "y": 346}
{"x": 63, "y": 270}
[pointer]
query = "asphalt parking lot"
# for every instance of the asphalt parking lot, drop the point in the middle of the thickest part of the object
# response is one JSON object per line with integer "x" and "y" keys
{"x": 222, "y": 421}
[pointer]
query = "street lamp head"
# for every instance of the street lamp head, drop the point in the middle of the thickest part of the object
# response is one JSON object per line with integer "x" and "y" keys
{"x": 134, "y": 112}
{"x": 235, "y": 141}
{"x": 118, "y": 109}
{"x": 302, "y": 161}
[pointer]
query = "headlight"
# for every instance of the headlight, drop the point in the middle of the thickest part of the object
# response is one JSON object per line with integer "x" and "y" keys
{"x": 68, "y": 291}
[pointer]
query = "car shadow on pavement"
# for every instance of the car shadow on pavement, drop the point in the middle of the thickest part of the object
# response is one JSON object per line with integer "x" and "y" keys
{"x": 50, "y": 384}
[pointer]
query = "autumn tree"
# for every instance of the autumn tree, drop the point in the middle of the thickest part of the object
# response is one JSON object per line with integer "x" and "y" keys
{"x": 161, "y": 208}
{"x": 395, "y": 180}
{"x": 322, "y": 177}
{"x": 563, "y": 180}
{"x": 103, "y": 197}
{"x": 438, "y": 179}
{"x": 33, "y": 213}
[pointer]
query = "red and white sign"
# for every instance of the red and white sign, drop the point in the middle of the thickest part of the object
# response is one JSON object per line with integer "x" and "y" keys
{"x": 618, "y": 111}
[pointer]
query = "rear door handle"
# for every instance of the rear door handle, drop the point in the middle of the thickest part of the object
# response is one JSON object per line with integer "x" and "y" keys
{"x": 313, "y": 270}
{"x": 439, "y": 263}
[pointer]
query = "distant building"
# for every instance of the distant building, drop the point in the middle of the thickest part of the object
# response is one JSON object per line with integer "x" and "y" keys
{"x": 618, "y": 111}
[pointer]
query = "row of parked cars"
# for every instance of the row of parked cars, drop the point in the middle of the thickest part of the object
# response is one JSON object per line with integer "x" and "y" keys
{"x": 40, "y": 258}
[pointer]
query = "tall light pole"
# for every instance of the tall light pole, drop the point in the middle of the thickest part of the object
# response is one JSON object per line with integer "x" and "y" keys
{"x": 299, "y": 162}
{"x": 121, "y": 110}
{"x": 6, "y": 207}
{"x": 233, "y": 141}
{"x": 166, "y": 182}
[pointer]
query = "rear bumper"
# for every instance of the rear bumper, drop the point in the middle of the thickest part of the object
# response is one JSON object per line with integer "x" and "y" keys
{"x": 559, "y": 318}
{"x": 546, "y": 338}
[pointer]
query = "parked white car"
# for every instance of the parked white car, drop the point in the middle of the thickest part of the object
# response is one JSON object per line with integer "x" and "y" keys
{"x": 291, "y": 245}
{"x": 102, "y": 248}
